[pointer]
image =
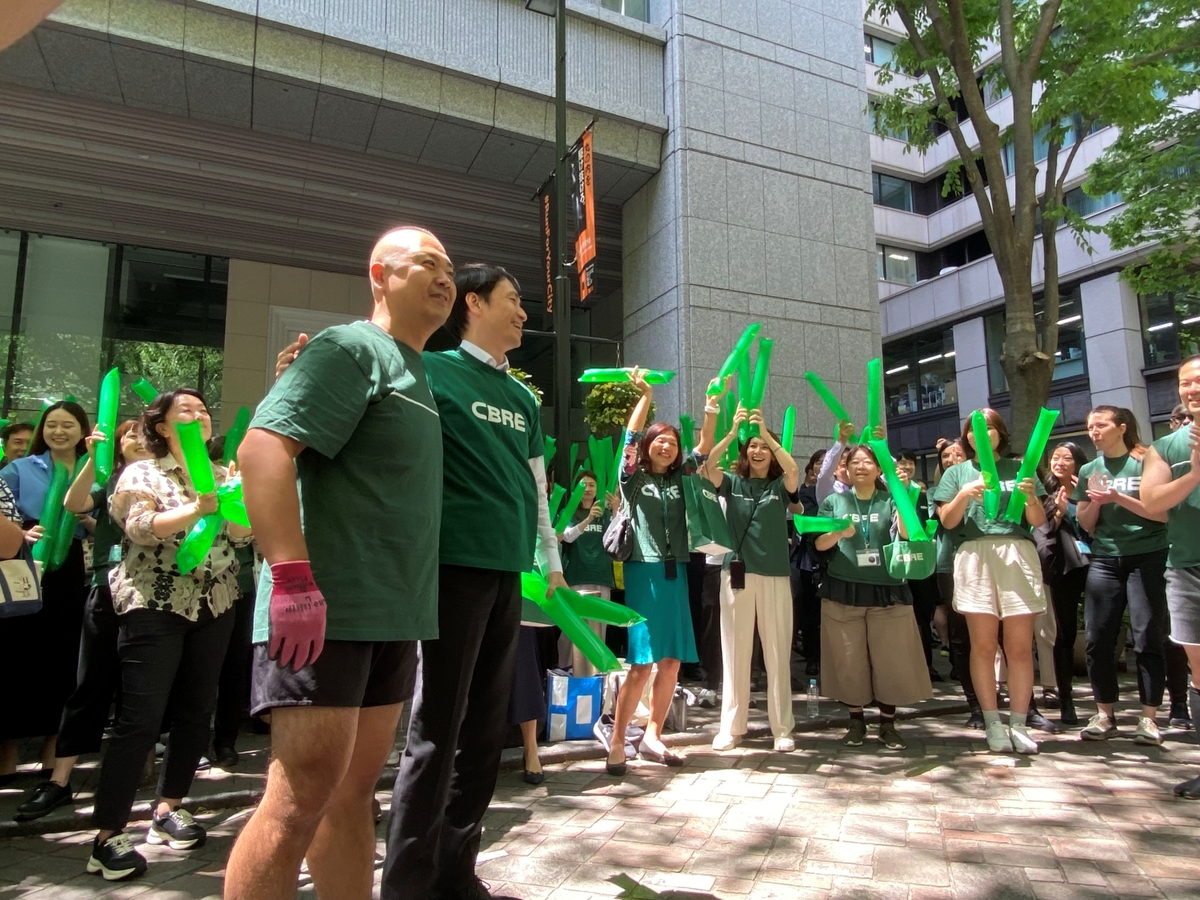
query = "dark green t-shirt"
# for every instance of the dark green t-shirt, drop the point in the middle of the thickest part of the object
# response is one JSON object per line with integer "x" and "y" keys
{"x": 491, "y": 429}
{"x": 584, "y": 559}
{"x": 106, "y": 541}
{"x": 975, "y": 523}
{"x": 1119, "y": 531}
{"x": 370, "y": 482}
{"x": 756, "y": 510}
{"x": 1183, "y": 521}
{"x": 658, "y": 515}
{"x": 873, "y": 529}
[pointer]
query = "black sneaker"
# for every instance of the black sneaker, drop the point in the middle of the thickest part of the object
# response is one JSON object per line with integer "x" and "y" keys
{"x": 855, "y": 733}
{"x": 46, "y": 798}
{"x": 225, "y": 756}
{"x": 115, "y": 859}
{"x": 479, "y": 890}
{"x": 177, "y": 829}
{"x": 1188, "y": 790}
{"x": 890, "y": 736}
{"x": 1180, "y": 717}
{"x": 976, "y": 720}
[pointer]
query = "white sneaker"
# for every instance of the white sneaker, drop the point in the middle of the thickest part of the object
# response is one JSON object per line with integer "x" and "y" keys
{"x": 723, "y": 742}
{"x": 1021, "y": 741}
{"x": 998, "y": 739}
{"x": 784, "y": 744}
{"x": 706, "y": 699}
{"x": 1099, "y": 728}
{"x": 1147, "y": 732}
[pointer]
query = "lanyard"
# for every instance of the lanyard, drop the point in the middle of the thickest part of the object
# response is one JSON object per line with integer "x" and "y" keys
{"x": 864, "y": 521}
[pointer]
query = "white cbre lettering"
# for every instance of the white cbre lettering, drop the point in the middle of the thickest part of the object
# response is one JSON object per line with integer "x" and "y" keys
{"x": 488, "y": 413}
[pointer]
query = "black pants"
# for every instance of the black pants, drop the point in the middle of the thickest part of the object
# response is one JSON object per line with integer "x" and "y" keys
{"x": 1178, "y": 676}
{"x": 960, "y": 638}
{"x": 1065, "y": 594}
{"x": 455, "y": 736}
{"x": 806, "y": 613}
{"x": 925, "y": 600}
{"x": 233, "y": 692}
{"x": 165, "y": 659}
{"x": 86, "y": 711}
{"x": 1112, "y": 583}
{"x": 709, "y": 644}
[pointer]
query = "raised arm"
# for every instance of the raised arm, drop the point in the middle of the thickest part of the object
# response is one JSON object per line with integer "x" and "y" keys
{"x": 791, "y": 471}
{"x": 641, "y": 409}
{"x": 79, "y": 494}
{"x": 712, "y": 408}
{"x": 712, "y": 465}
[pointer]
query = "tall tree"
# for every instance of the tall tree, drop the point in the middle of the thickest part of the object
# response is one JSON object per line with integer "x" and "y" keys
{"x": 1068, "y": 65}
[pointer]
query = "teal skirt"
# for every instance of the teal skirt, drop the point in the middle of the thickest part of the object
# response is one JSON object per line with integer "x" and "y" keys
{"x": 667, "y": 632}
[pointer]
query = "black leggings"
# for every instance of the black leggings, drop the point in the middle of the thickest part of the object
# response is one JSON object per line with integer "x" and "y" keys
{"x": 1065, "y": 593}
{"x": 86, "y": 712}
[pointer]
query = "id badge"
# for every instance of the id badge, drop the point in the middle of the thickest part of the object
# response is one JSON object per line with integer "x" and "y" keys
{"x": 1083, "y": 547}
{"x": 669, "y": 571}
{"x": 869, "y": 558}
{"x": 737, "y": 575}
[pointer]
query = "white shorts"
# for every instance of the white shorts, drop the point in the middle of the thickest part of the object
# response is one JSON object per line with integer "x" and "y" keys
{"x": 1001, "y": 576}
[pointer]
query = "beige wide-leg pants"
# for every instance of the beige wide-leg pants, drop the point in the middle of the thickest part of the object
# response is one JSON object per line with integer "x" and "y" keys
{"x": 767, "y": 599}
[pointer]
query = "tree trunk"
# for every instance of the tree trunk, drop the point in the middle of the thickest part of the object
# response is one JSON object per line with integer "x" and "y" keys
{"x": 1029, "y": 369}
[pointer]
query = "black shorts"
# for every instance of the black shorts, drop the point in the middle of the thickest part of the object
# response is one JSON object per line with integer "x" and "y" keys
{"x": 347, "y": 673}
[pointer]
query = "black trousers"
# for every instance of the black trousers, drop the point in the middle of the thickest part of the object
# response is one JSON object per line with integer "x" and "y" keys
{"x": 960, "y": 638}
{"x": 709, "y": 633}
{"x": 1113, "y": 582}
{"x": 1065, "y": 593}
{"x": 806, "y": 613}
{"x": 165, "y": 660}
{"x": 455, "y": 736}
{"x": 233, "y": 691}
{"x": 86, "y": 711}
{"x": 925, "y": 600}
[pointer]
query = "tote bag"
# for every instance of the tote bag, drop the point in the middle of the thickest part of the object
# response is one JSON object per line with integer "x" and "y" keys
{"x": 708, "y": 532}
{"x": 20, "y": 585}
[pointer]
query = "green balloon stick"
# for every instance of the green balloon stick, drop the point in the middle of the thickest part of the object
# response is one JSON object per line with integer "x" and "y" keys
{"x": 564, "y": 517}
{"x": 609, "y": 376}
{"x": 52, "y": 513}
{"x": 987, "y": 465}
{"x": 831, "y": 402}
{"x": 740, "y": 350}
{"x": 199, "y": 540}
{"x": 106, "y": 421}
{"x": 534, "y": 588}
{"x": 550, "y": 446}
{"x": 618, "y": 463}
{"x": 874, "y": 394}
{"x": 904, "y": 506}
{"x": 819, "y": 524}
{"x": 601, "y": 456}
{"x": 196, "y": 546}
{"x": 144, "y": 389}
{"x": 788, "y": 433}
{"x": 687, "y": 433}
{"x": 557, "y": 492}
{"x": 1033, "y": 456}
{"x": 64, "y": 533}
{"x": 235, "y": 434}
{"x": 572, "y": 456}
{"x": 601, "y": 610}
{"x": 758, "y": 387}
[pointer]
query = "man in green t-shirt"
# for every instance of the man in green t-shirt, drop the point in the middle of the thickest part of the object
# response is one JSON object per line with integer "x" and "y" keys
{"x": 495, "y": 521}
{"x": 342, "y": 471}
{"x": 1171, "y": 484}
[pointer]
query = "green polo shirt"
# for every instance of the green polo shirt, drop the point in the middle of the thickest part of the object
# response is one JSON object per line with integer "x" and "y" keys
{"x": 1119, "y": 531}
{"x": 370, "y": 481}
{"x": 1183, "y": 521}
{"x": 873, "y": 529}
{"x": 491, "y": 429}
{"x": 756, "y": 510}
{"x": 975, "y": 523}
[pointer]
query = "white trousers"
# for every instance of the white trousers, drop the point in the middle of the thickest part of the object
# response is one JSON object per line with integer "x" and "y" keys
{"x": 769, "y": 600}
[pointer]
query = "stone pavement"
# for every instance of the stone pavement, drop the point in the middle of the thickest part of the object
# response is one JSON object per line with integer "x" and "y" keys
{"x": 943, "y": 819}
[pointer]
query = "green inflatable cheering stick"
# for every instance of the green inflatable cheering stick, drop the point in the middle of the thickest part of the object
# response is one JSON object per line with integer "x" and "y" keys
{"x": 233, "y": 437}
{"x": 605, "y": 376}
{"x": 788, "y": 433}
{"x": 196, "y": 546}
{"x": 758, "y": 387}
{"x": 53, "y": 513}
{"x": 144, "y": 389}
{"x": 1033, "y": 455}
{"x": 739, "y": 351}
{"x": 566, "y": 608}
{"x": 819, "y": 524}
{"x": 904, "y": 505}
{"x": 987, "y": 465}
{"x": 106, "y": 421}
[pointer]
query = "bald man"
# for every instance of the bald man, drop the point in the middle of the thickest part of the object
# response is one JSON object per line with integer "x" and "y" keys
{"x": 342, "y": 473}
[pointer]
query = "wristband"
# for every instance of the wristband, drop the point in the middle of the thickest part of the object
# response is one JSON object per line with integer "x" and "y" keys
{"x": 711, "y": 409}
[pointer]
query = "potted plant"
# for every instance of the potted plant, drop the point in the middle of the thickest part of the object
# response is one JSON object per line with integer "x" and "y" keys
{"x": 607, "y": 407}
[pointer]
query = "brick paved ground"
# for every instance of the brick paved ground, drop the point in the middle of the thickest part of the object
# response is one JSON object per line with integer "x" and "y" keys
{"x": 943, "y": 819}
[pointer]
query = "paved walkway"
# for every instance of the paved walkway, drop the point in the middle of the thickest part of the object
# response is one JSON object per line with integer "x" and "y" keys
{"x": 943, "y": 819}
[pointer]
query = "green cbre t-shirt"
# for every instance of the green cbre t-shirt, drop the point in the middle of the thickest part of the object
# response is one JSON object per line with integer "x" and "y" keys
{"x": 491, "y": 429}
{"x": 370, "y": 482}
{"x": 1183, "y": 522}
{"x": 876, "y": 516}
{"x": 1120, "y": 532}
{"x": 584, "y": 559}
{"x": 975, "y": 523}
{"x": 756, "y": 510}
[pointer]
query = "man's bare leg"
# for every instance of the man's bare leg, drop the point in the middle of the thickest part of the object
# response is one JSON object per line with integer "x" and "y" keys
{"x": 341, "y": 856}
{"x": 311, "y": 748}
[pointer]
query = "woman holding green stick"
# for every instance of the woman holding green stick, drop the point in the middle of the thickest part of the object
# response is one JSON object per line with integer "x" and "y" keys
{"x": 585, "y": 564}
{"x": 997, "y": 577}
{"x": 870, "y": 647}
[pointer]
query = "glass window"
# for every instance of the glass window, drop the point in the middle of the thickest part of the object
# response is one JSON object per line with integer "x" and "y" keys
{"x": 919, "y": 373}
{"x": 895, "y": 264}
{"x": 891, "y": 191}
{"x": 1086, "y": 205}
{"x": 1070, "y": 358}
{"x": 994, "y": 90}
{"x": 1170, "y": 327}
{"x": 878, "y": 50}
{"x": 635, "y": 9}
{"x": 10, "y": 251}
{"x": 877, "y": 127}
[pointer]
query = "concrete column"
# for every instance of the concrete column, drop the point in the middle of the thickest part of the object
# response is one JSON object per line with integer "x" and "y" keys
{"x": 970, "y": 364}
{"x": 1113, "y": 340}
{"x": 762, "y": 209}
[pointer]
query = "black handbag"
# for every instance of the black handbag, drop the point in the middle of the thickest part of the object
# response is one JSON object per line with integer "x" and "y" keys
{"x": 20, "y": 584}
{"x": 618, "y": 536}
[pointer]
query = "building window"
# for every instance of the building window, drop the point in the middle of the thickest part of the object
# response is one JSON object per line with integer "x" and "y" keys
{"x": 876, "y": 126}
{"x": 82, "y": 307}
{"x": 1170, "y": 327}
{"x": 1087, "y": 205}
{"x": 918, "y": 373}
{"x": 635, "y": 9}
{"x": 878, "y": 50}
{"x": 995, "y": 89}
{"x": 1041, "y": 141}
{"x": 1070, "y": 358}
{"x": 891, "y": 191}
{"x": 895, "y": 264}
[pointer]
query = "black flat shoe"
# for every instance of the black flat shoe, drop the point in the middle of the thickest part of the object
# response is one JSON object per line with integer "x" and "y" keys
{"x": 976, "y": 720}
{"x": 1066, "y": 712}
{"x": 534, "y": 777}
{"x": 667, "y": 758}
{"x": 46, "y": 798}
{"x": 1189, "y": 790}
{"x": 617, "y": 769}
{"x": 1041, "y": 723}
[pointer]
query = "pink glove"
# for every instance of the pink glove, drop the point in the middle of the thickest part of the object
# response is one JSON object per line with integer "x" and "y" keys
{"x": 297, "y": 615}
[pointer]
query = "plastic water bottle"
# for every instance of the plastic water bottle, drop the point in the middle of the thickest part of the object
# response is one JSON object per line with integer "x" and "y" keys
{"x": 814, "y": 702}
